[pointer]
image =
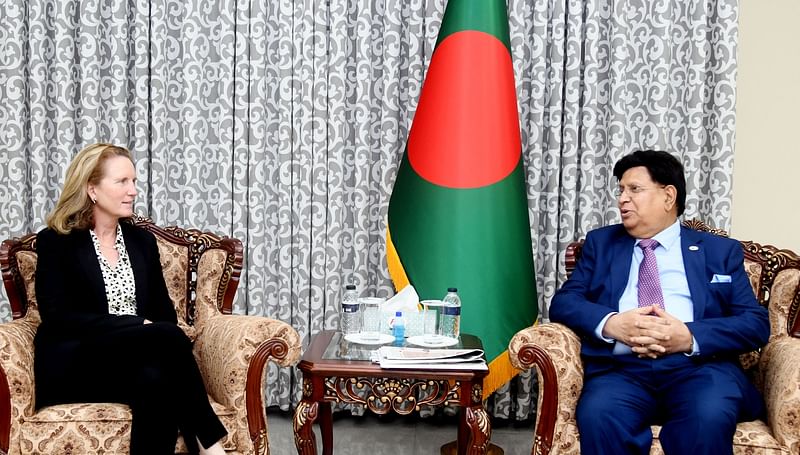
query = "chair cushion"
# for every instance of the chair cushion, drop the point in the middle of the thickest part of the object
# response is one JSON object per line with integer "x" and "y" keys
{"x": 102, "y": 428}
{"x": 210, "y": 272}
{"x": 751, "y": 438}
{"x": 174, "y": 264}
{"x": 753, "y": 270}
{"x": 26, "y": 261}
{"x": 782, "y": 296}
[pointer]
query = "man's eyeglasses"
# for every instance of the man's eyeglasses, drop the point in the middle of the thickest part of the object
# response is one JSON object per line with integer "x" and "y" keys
{"x": 634, "y": 190}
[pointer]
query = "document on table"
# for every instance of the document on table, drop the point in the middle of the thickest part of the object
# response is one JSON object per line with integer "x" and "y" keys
{"x": 429, "y": 359}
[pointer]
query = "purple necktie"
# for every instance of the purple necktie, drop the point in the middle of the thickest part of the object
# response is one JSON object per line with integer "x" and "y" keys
{"x": 649, "y": 283}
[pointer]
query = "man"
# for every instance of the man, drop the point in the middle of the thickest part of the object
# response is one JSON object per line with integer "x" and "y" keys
{"x": 660, "y": 345}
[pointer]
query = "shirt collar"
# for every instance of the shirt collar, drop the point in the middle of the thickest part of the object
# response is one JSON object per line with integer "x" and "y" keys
{"x": 669, "y": 236}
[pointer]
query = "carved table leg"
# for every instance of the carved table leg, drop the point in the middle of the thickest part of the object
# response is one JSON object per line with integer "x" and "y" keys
{"x": 474, "y": 426}
{"x": 326, "y": 427}
{"x": 475, "y": 422}
{"x": 304, "y": 417}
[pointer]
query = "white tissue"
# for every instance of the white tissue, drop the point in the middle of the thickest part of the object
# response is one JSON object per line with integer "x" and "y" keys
{"x": 406, "y": 300}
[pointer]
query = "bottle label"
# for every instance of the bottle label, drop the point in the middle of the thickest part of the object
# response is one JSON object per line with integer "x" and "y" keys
{"x": 451, "y": 310}
{"x": 350, "y": 308}
{"x": 399, "y": 332}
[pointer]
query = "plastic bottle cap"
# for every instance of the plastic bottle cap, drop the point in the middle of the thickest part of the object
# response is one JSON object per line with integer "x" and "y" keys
{"x": 399, "y": 313}
{"x": 350, "y": 287}
{"x": 452, "y": 290}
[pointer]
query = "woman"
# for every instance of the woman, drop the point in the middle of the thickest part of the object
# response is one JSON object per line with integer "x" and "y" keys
{"x": 108, "y": 331}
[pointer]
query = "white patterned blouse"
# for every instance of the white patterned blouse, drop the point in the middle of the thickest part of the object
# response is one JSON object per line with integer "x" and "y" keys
{"x": 120, "y": 285}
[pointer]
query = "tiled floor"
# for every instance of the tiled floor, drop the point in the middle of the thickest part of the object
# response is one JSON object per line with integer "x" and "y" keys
{"x": 395, "y": 435}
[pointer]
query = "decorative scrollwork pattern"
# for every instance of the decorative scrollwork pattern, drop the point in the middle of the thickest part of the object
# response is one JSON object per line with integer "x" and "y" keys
{"x": 477, "y": 393}
{"x": 478, "y": 421}
{"x": 304, "y": 416}
{"x": 773, "y": 260}
{"x": 539, "y": 447}
{"x": 260, "y": 442}
{"x": 699, "y": 225}
{"x": 382, "y": 395}
{"x": 197, "y": 242}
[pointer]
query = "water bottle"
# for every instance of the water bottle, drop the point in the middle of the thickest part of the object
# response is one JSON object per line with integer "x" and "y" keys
{"x": 399, "y": 328}
{"x": 350, "y": 321}
{"x": 450, "y": 319}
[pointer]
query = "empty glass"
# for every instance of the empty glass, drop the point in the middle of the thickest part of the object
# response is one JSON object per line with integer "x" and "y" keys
{"x": 371, "y": 317}
{"x": 430, "y": 323}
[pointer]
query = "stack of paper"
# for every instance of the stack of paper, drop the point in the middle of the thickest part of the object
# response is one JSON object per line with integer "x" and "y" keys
{"x": 430, "y": 359}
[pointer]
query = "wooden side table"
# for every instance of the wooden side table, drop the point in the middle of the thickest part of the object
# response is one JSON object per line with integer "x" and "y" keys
{"x": 336, "y": 371}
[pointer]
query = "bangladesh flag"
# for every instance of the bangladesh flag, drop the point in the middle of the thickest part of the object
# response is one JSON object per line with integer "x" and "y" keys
{"x": 458, "y": 215}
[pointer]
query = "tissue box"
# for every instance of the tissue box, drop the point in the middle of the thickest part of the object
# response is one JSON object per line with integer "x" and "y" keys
{"x": 414, "y": 321}
{"x": 414, "y": 324}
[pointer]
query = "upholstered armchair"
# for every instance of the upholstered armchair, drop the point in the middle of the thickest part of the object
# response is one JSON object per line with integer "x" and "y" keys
{"x": 202, "y": 272}
{"x": 775, "y": 276}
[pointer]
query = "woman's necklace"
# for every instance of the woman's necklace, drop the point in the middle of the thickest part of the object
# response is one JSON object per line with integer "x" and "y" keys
{"x": 113, "y": 244}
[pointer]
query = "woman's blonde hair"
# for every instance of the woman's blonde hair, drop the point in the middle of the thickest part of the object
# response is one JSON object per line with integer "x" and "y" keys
{"x": 74, "y": 208}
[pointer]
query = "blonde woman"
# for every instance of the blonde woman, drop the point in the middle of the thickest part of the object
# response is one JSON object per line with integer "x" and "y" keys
{"x": 108, "y": 331}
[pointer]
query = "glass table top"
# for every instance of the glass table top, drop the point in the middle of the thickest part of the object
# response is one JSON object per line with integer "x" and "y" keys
{"x": 341, "y": 349}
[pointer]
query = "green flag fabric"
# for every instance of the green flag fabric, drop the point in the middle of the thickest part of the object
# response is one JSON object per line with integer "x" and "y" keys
{"x": 458, "y": 214}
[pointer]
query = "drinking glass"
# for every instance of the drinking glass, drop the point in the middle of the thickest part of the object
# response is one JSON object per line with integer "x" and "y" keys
{"x": 430, "y": 322}
{"x": 371, "y": 317}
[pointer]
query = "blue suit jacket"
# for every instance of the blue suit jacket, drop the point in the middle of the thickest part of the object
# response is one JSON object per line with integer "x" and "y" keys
{"x": 728, "y": 319}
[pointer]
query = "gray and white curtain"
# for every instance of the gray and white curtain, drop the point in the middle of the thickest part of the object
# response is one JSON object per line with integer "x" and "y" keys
{"x": 282, "y": 123}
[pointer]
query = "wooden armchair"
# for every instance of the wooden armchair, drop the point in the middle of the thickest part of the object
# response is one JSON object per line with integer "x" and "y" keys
{"x": 202, "y": 272}
{"x": 775, "y": 276}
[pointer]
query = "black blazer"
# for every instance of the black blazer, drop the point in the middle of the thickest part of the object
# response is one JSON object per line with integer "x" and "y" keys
{"x": 71, "y": 295}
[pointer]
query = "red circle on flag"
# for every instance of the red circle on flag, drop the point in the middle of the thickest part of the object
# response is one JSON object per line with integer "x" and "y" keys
{"x": 465, "y": 132}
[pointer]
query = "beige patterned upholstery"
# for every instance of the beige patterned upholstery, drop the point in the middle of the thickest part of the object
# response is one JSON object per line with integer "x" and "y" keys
{"x": 202, "y": 272}
{"x": 775, "y": 276}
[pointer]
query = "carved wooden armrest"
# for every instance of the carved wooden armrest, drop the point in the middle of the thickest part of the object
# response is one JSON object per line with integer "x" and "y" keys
{"x": 555, "y": 352}
{"x": 16, "y": 375}
{"x": 232, "y": 351}
{"x": 781, "y": 370}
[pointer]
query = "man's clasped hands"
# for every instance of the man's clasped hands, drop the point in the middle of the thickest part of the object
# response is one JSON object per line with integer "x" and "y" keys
{"x": 649, "y": 331}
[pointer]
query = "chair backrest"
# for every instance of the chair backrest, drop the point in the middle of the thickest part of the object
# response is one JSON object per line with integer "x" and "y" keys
{"x": 774, "y": 274}
{"x": 185, "y": 255}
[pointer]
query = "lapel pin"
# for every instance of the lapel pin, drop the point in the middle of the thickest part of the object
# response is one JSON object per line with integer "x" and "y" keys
{"x": 694, "y": 248}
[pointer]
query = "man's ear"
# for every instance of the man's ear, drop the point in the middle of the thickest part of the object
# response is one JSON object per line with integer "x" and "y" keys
{"x": 670, "y": 196}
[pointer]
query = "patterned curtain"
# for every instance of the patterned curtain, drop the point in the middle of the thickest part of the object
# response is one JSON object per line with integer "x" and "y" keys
{"x": 282, "y": 123}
